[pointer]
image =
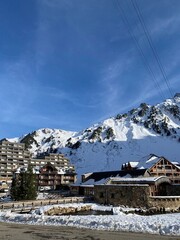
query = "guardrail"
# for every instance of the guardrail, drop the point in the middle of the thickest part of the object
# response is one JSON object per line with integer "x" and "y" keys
{"x": 26, "y": 206}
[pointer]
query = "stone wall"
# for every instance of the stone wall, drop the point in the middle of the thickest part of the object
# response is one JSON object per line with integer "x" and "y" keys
{"x": 165, "y": 202}
{"x": 134, "y": 196}
{"x": 127, "y": 195}
{"x": 66, "y": 210}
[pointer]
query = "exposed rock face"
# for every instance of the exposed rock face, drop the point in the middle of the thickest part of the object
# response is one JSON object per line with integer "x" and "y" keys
{"x": 126, "y": 137}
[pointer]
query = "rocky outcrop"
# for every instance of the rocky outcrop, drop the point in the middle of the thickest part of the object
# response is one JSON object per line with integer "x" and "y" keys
{"x": 67, "y": 210}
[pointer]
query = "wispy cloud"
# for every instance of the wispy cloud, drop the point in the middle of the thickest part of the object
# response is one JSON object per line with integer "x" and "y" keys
{"x": 164, "y": 32}
{"x": 84, "y": 64}
{"x": 166, "y": 26}
{"x": 65, "y": 96}
{"x": 17, "y": 90}
{"x": 112, "y": 82}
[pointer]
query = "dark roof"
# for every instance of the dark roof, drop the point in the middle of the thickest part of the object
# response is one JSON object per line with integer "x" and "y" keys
{"x": 48, "y": 165}
{"x": 97, "y": 176}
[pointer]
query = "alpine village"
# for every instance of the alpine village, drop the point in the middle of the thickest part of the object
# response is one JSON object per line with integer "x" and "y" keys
{"x": 131, "y": 160}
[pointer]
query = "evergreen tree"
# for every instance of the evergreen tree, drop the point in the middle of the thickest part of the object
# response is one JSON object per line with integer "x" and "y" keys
{"x": 14, "y": 191}
{"x": 31, "y": 184}
{"x": 24, "y": 185}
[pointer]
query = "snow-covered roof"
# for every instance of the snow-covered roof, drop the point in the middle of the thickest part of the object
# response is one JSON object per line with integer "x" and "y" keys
{"x": 24, "y": 169}
{"x": 175, "y": 163}
{"x": 60, "y": 170}
{"x": 137, "y": 180}
{"x": 90, "y": 182}
{"x": 21, "y": 169}
{"x": 147, "y": 161}
{"x": 134, "y": 164}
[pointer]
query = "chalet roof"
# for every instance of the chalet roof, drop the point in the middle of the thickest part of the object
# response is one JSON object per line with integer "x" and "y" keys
{"x": 177, "y": 164}
{"x": 147, "y": 161}
{"x": 142, "y": 180}
{"x": 98, "y": 176}
{"x": 93, "y": 182}
{"x": 134, "y": 164}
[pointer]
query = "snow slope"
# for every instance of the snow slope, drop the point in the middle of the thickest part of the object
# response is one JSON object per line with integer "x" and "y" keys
{"x": 125, "y": 137}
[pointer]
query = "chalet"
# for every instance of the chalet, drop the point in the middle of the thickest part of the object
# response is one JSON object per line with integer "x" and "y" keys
{"x": 137, "y": 184}
{"x": 156, "y": 166}
{"x": 85, "y": 186}
{"x": 133, "y": 192}
{"x": 51, "y": 177}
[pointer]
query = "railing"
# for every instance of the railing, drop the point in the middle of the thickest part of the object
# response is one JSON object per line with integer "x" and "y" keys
{"x": 27, "y": 206}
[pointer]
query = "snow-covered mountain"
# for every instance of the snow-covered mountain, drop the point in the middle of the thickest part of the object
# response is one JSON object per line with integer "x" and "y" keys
{"x": 125, "y": 137}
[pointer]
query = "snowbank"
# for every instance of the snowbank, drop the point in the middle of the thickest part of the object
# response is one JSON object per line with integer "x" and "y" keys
{"x": 166, "y": 224}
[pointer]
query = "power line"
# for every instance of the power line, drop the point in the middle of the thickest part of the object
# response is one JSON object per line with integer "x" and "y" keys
{"x": 148, "y": 36}
{"x": 127, "y": 24}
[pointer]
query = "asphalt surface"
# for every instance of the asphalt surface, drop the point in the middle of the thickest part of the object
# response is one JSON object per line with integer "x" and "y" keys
{"x": 9, "y": 231}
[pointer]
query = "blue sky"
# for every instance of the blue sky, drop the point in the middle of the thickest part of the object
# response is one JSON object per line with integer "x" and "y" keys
{"x": 68, "y": 64}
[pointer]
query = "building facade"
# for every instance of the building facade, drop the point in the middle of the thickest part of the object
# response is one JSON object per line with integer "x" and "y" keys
{"x": 51, "y": 177}
{"x": 151, "y": 182}
{"x": 85, "y": 186}
{"x": 156, "y": 166}
{"x": 12, "y": 156}
{"x": 15, "y": 158}
{"x": 56, "y": 159}
{"x": 164, "y": 167}
{"x": 132, "y": 192}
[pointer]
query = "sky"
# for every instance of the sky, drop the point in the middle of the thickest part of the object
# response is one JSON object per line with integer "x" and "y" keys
{"x": 68, "y": 64}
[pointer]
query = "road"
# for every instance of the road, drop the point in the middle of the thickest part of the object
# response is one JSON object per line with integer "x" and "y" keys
{"x": 9, "y": 231}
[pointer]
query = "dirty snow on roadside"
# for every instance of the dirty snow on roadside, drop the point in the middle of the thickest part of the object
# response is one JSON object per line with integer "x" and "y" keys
{"x": 165, "y": 224}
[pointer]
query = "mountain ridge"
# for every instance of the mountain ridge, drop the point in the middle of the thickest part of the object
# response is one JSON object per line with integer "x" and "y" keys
{"x": 116, "y": 140}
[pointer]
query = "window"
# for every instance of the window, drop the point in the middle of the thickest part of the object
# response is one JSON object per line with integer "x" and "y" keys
{"x": 176, "y": 181}
{"x": 168, "y": 174}
{"x": 101, "y": 195}
{"x": 160, "y": 174}
{"x": 167, "y": 167}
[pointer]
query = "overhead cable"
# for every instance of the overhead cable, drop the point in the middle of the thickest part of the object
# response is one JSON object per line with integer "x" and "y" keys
{"x": 148, "y": 36}
{"x": 132, "y": 35}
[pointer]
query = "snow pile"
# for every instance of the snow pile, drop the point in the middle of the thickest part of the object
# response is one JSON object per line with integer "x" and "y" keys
{"x": 167, "y": 224}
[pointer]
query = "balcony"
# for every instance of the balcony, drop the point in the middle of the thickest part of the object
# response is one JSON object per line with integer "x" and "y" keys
{"x": 46, "y": 177}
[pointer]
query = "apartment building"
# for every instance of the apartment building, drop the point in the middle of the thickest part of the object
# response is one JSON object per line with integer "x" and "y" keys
{"x": 56, "y": 159}
{"x": 55, "y": 170}
{"x": 14, "y": 157}
{"x": 52, "y": 177}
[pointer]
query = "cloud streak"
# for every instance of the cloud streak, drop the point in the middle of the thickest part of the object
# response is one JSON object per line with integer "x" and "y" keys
{"x": 18, "y": 90}
{"x": 81, "y": 65}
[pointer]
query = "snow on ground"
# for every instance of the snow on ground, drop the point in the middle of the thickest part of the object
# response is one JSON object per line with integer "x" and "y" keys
{"x": 166, "y": 224}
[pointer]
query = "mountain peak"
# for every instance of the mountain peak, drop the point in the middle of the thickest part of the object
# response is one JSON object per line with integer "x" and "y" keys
{"x": 117, "y": 140}
{"x": 177, "y": 97}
